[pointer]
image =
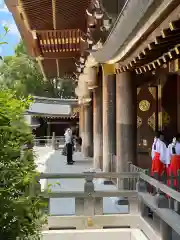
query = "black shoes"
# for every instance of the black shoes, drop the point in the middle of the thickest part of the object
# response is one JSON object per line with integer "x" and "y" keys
{"x": 70, "y": 163}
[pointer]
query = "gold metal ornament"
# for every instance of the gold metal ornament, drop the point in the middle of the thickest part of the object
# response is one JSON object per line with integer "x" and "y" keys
{"x": 76, "y": 110}
{"x": 139, "y": 121}
{"x": 138, "y": 90}
{"x": 90, "y": 222}
{"x": 144, "y": 105}
{"x": 152, "y": 121}
{"x": 152, "y": 90}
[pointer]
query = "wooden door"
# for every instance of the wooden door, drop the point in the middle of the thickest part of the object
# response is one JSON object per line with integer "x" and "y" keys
{"x": 147, "y": 123}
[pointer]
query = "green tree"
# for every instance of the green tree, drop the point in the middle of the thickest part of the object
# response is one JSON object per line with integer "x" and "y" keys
{"x": 22, "y": 74}
{"x": 20, "y": 212}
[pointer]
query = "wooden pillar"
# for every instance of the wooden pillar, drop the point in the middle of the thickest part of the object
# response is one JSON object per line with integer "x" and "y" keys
{"x": 109, "y": 118}
{"x": 81, "y": 119}
{"x": 82, "y": 132}
{"x": 125, "y": 120}
{"x": 88, "y": 130}
{"x": 178, "y": 103}
{"x": 97, "y": 120}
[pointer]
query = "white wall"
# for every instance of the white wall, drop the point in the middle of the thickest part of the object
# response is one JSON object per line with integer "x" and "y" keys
{"x": 28, "y": 118}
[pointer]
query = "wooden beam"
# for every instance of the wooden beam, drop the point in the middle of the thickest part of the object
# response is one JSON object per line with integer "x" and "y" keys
{"x": 169, "y": 38}
{"x": 137, "y": 71}
{"x": 39, "y": 60}
{"x": 155, "y": 64}
{"x": 167, "y": 32}
{"x": 174, "y": 25}
{"x": 140, "y": 70}
{"x": 124, "y": 68}
{"x": 151, "y": 45}
{"x": 141, "y": 55}
{"x": 159, "y": 61}
{"x": 166, "y": 57}
{"x": 131, "y": 64}
{"x": 57, "y": 65}
{"x": 170, "y": 55}
{"x": 144, "y": 68}
{"x": 23, "y": 13}
{"x": 149, "y": 66}
{"x": 61, "y": 55}
{"x": 54, "y": 13}
{"x": 177, "y": 49}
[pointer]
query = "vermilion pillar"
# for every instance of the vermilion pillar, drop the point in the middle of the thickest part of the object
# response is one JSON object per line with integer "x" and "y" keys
{"x": 109, "y": 118}
{"x": 97, "y": 120}
{"x": 125, "y": 120}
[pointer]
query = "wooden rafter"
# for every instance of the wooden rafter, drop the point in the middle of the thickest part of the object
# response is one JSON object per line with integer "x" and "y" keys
{"x": 54, "y": 13}
{"x": 168, "y": 56}
{"x": 55, "y": 27}
{"x": 23, "y": 14}
{"x": 39, "y": 60}
{"x": 54, "y": 32}
{"x": 57, "y": 64}
{"x": 161, "y": 50}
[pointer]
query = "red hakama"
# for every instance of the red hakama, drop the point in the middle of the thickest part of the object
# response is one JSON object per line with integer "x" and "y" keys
{"x": 173, "y": 168}
{"x": 157, "y": 166}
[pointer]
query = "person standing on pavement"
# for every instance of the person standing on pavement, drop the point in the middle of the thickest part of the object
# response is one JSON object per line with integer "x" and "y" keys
{"x": 69, "y": 146}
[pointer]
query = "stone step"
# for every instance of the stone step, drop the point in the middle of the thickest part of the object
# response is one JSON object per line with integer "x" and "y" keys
{"x": 106, "y": 234}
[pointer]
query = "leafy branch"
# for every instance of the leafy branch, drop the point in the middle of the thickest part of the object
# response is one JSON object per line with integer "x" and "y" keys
{"x": 6, "y": 30}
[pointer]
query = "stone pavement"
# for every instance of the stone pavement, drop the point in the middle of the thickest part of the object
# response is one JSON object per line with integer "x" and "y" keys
{"x": 50, "y": 161}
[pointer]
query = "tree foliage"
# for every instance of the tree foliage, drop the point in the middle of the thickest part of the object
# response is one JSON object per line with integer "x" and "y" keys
{"x": 20, "y": 212}
{"x": 6, "y": 30}
{"x": 22, "y": 74}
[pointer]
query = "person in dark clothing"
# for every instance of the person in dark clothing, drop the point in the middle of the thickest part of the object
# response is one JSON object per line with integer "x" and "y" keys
{"x": 69, "y": 153}
{"x": 80, "y": 141}
{"x": 69, "y": 146}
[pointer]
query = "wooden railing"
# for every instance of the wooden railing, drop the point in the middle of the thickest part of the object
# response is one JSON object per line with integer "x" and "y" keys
{"x": 50, "y": 141}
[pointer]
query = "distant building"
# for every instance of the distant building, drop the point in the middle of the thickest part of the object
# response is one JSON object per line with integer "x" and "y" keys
{"x": 48, "y": 115}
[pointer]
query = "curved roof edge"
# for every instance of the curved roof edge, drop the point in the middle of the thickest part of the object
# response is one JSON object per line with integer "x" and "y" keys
{"x": 63, "y": 101}
{"x": 132, "y": 23}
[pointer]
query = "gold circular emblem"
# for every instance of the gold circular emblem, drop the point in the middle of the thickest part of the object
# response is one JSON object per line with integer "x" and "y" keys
{"x": 144, "y": 105}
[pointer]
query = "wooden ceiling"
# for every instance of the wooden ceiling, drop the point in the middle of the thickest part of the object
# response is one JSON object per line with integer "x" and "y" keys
{"x": 52, "y": 31}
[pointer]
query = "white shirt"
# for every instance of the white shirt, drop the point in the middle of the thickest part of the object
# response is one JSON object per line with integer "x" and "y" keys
{"x": 160, "y": 147}
{"x": 68, "y": 136}
{"x": 170, "y": 152}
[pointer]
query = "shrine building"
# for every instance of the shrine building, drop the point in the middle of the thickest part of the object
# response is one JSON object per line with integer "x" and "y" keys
{"x": 124, "y": 57}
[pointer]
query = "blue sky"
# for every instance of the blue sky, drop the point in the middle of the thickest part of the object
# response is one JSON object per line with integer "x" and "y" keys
{"x": 13, "y": 36}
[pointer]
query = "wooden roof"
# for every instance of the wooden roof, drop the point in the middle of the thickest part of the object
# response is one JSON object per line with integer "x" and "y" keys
{"x": 164, "y": 48}
{"x": 51, "y": 30}
{"x": 144, "y": 36}
{"x": 54, "y": 107}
